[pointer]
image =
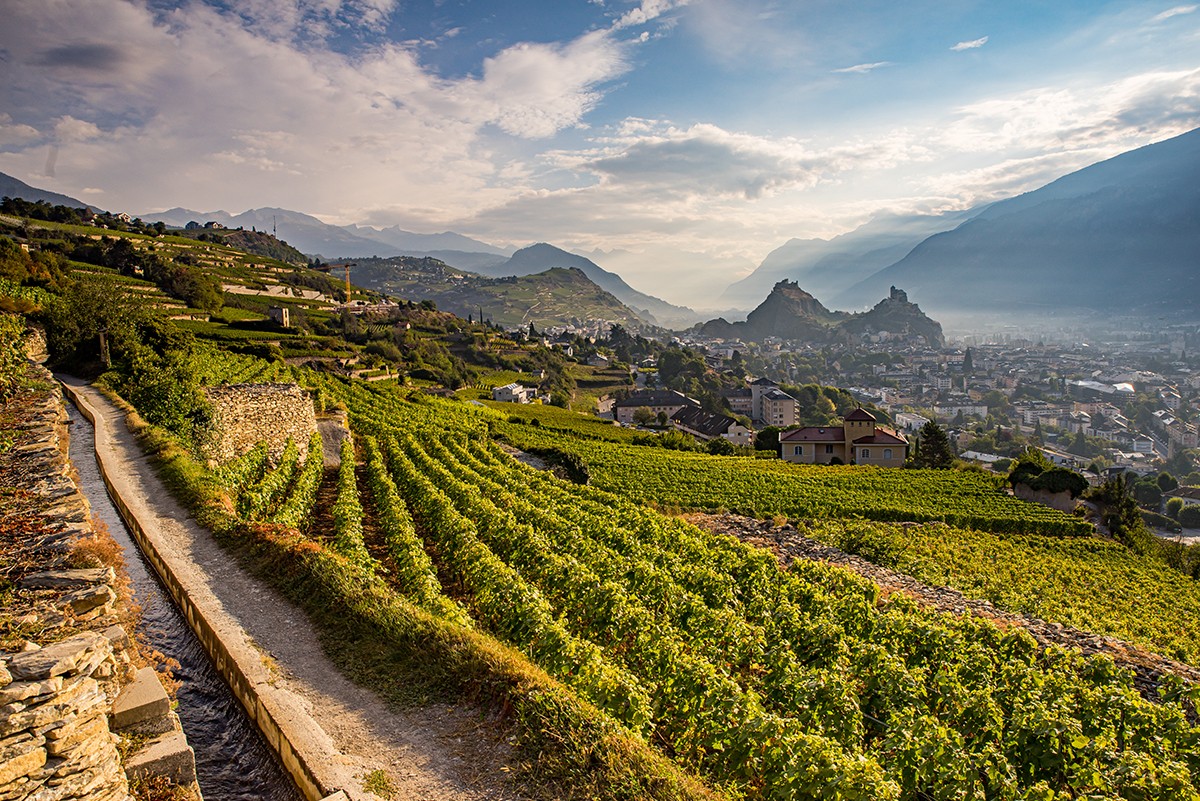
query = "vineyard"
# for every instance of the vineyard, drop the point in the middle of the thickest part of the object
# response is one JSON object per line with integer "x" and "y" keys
{"x": 761, "y": 487}
{"x": 766, "y": 683}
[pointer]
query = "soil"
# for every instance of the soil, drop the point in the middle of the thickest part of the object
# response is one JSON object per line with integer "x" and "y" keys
{"x": 433, "y": 752}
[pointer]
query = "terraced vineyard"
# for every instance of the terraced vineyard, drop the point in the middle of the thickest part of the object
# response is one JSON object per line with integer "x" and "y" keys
{"x": 767, "y": 683}
{"x": 771, "y": 486}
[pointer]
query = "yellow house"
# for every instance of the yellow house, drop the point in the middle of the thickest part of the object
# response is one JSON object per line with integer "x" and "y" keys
{"x": 859, "y": 440}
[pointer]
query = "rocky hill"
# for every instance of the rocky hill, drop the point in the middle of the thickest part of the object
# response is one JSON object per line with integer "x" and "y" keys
{"x": 789, "y": 312}
{"x": 554, "y": 297}
{"x": 541, "y": 257}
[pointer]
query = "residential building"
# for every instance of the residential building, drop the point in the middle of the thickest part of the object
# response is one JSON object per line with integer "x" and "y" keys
{"x": 740, "y": 400}
{"x": 705, "y": 426}
{"x": 859, "y": 440}
{"x": 779, "y": 408}
{"x": 757, "y": 388}
{"x": 664, "y": 402}
{"x": 513, "y": 393}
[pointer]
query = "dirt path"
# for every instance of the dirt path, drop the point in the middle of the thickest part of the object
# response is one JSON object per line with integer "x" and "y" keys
{"x": 431, "y": 753}
{"x": 788, "y": 545}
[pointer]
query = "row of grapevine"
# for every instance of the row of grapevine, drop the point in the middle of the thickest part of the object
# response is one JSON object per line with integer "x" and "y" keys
{"x": 506, "y": 604}
{"x": 347, "y": 511}
{"x": 256, "y": 501}
{"x": 414, "y": 571}
{"x": 246, "y": 469}
{"x": 298, "y": 506}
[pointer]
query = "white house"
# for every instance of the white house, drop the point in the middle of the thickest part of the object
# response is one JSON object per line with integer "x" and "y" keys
{"x": 514, "y": 393}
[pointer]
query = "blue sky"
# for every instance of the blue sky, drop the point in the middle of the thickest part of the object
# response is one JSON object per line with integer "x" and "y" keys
{"x": 682, "y": 140}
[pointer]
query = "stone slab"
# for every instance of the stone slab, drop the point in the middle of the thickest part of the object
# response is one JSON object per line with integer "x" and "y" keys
{"x": 168, "y": 755}
{"x": 56, "y": 659}
{"x": 143, "y": 699}
{"x": 67, "y": 579}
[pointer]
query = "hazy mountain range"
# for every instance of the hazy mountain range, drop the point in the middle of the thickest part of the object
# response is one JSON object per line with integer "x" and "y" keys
{"x": 1120, "y": 235}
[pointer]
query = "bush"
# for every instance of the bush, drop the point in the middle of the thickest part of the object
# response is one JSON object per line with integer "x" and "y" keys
{"x": 1174, "y": 506}
{"x": 1160, "y": 521}
{"x": 1189, "y": 516}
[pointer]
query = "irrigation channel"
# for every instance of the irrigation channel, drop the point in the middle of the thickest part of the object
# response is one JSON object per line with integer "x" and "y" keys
{"x": 232, "y": 761}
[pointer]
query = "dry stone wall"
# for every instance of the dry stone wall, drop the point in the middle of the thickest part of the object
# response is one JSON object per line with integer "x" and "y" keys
{"x": 246, "y": 414}
{"x": 68, "y": 686}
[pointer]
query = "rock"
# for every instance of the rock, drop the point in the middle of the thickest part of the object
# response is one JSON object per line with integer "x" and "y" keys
{"x": 168, "y": 755}
{"x": 21, "y": 765}
{"x": 68, "y": 579}
{"x": 23, "y": 690}
{"x": 57, "y": 659}
{"x": 90, "y": 730}
{"x": 20, "y": 743}
{"x": 5, "y": 677}
{"x": 84, "y": 600}
{"x": 142, "y": 700}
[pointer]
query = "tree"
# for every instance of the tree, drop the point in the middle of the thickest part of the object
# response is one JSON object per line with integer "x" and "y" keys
{"x": 1147, "y": 493}
{"x": 1189, "y": 516}
{"x": 643, "y": 416}
{"x": 719, "y": 446}
{"x": 968, "y": 365}
{"x": 933, "y": 448}
{"x": 1166, "y": 482}
{"x": 1174, "y": 506}
{"x": 767, "y": 439}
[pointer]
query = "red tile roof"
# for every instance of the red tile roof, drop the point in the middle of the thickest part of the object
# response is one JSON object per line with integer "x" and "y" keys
{"x": 860, "y": 414}
{"x": 882, "y": 437}
{"x": 814, "y": 434}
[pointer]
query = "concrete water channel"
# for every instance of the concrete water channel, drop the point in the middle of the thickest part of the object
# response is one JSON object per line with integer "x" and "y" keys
{"x": 233, "y": 763}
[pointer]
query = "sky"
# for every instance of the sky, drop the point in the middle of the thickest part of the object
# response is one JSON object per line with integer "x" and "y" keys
{"x": 679, "y": 142}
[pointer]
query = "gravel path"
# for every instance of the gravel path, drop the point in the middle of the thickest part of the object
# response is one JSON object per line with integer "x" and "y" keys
{"x": 430, "y": 753}
{"x": 789, "y": 545}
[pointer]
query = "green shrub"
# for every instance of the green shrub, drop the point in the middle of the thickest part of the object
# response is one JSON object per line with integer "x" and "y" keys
{"x": 1189, "y": 516}
{"x": 1174, "y": 506}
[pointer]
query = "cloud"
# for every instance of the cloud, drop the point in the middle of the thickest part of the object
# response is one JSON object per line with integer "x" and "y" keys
{"x": 648, "y": 11}
{"x": 706, "y": 160}
{"x": 864, "y": 68}
{"x": 971, "y": 45}
{"x": 1173, "y": 12}
{"x": 1147, "y": 106}
{"x": 199, "y": 102}
{"x": 536, "y": 90}
{"x": 69, "y": 129}
{"x": 16, "y": 134}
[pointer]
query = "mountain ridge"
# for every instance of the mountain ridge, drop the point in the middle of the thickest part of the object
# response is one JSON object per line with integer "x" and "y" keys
{"x": 1119, "y": 235}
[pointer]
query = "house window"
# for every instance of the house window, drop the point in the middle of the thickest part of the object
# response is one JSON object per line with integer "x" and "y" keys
{"x": 887, "y": 453}
{"x": 829, "y": 449}
{"x": 798, "y": 450}
{"x": 866, "y": 453}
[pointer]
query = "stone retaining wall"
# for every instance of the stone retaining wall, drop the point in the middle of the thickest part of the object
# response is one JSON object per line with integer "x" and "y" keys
{"x": 1062, "y": 501}
{"x": 246, "y": 414}
{"x": 70, "y": 688}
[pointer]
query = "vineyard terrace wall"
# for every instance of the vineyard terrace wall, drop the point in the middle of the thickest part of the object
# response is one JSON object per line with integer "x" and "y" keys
{"x": 246, "y": 414}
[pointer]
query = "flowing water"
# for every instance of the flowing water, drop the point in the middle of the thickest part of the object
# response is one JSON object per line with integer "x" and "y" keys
{"x": 233, "y": 763}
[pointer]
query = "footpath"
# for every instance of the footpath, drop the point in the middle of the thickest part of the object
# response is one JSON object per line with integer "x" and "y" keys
{"x": 329, "y": 729}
